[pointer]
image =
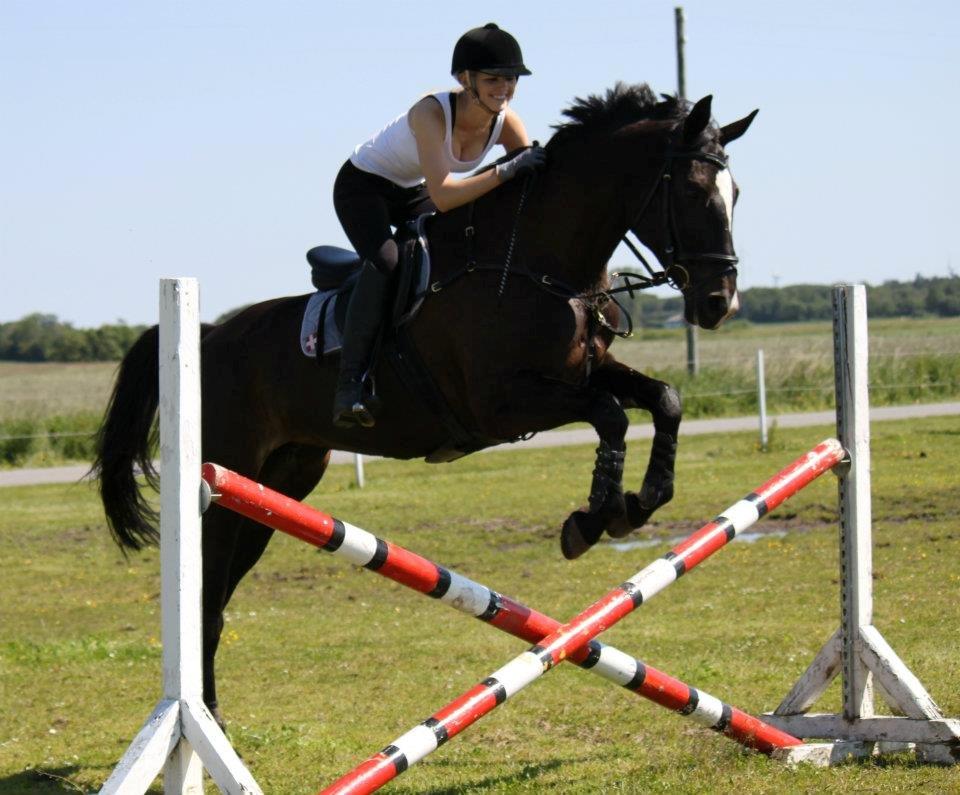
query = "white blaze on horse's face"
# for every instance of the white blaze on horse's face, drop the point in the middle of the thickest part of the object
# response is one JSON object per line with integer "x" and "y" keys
{"x": 725, "y": 189}
{"x": 724, "y": 184}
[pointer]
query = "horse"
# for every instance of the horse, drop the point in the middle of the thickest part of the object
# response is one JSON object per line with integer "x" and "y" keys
{"x": 516, "y": 341}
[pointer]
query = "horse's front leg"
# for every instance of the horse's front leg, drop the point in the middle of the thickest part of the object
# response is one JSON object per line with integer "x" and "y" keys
{"x": 636, "y": 390}
{"x": 583, "y": 529}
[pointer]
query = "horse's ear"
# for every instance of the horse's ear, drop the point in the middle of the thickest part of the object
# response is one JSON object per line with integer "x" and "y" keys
{"x": 697, "y": 120}
{"x": 730, "y": 132}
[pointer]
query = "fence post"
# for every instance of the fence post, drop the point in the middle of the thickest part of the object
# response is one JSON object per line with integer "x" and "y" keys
{"x": 762, "y": 399}
{"x": 358, "y": 468}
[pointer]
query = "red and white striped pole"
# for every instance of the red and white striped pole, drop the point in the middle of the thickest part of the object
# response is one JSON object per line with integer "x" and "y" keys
{"x": 559, "y": 645}
{"x": 276, "y": 510}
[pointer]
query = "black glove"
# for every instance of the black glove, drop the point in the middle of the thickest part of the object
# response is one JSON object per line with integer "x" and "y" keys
{"x": 524, "y": 164}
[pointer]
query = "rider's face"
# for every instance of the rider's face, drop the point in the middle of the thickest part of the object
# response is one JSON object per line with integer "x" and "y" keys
{"x": 495, "y": 90}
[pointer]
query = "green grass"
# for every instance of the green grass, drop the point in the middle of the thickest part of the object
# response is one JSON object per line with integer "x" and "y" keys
{"x": 322, "y": 664}
{"x": 49, "y": 411}
{"x": 911, "y": 361}
{"x": 30, "y": 389}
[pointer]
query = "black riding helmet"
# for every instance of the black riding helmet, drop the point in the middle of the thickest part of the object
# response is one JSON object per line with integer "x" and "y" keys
{"x": 488, "y": 49}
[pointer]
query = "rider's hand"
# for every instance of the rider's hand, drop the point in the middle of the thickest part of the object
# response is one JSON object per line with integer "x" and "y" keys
{"x": 524, "y": 164}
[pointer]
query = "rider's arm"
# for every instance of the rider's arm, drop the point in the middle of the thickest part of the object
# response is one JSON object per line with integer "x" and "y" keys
{"x": 513, "y": 135}
{"x": 427, "y": 122}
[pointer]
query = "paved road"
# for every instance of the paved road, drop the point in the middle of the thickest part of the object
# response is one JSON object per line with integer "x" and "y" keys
{"x": 68, "y": 474}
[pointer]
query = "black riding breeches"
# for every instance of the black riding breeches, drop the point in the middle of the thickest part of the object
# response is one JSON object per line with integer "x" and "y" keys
{"x": 369, "y": 205}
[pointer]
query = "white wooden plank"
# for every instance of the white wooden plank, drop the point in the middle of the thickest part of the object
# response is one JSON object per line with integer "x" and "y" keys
{"x": 823, "y": 754}
{"x": 180, "y": 486}
{"x": 897, "y": 680}
{"x": 819, "y": 674}
{"x": 183, "y": 772}
{"x": 877, "y": 729}
{"x": 180, "y": 568}
{"x": 148, "y": 752}
{"x": 219, "y": 758}
{"x": 856, "y": 544}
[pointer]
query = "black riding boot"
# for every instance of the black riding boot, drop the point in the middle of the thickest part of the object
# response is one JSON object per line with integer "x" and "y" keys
{"x": 364, "y": 316}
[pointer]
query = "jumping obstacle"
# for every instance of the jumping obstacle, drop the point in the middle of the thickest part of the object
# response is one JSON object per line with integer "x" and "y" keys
{"x": 257, "y": 502}
{"x": 180, "y": 737}
{"x": 553, "y": 649}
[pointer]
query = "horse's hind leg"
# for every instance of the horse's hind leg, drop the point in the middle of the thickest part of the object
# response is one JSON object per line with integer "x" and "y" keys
{"x": 233, "y": 545}
{"x": 583, "y": 529}
{"x": 636, "y": 390}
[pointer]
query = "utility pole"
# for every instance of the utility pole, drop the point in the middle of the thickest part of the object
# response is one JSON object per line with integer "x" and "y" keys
{"x": 693, "y": 355}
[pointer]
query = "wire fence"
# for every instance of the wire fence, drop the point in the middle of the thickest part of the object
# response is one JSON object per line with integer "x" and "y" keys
{"x": 798, "y": 378}
{"x": 825, "y": 388}
{"x": 685, "y": 394}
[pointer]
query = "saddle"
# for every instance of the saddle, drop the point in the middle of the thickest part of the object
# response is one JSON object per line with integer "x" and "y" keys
{"x": 334, "y": 272}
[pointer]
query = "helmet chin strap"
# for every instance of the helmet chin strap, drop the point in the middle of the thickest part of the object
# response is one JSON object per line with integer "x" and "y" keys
{"x": 472, "y": 88}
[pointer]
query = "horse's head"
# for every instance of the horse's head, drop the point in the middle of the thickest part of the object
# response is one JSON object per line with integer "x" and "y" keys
{"x": 686, "y": 217}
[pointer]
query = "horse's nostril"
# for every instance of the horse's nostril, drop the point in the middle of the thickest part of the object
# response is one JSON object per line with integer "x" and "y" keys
{"x": 718, "y": 303}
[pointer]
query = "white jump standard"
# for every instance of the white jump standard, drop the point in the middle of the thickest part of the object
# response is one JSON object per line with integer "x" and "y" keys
{"x": 857, "y": 650}
{"x": 181, "y": 737}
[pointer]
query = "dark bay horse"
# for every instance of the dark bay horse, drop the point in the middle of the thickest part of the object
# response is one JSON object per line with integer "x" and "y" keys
{"x": 510, "y": 354}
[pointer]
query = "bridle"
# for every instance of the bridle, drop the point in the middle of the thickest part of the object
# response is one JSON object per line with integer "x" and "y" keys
{"x": 675, "y": 258}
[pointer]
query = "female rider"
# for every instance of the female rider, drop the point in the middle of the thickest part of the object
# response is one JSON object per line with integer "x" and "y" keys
{"x": 406, "y": 169}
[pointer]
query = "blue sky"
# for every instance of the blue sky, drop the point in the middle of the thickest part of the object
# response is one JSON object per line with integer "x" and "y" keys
{"x": 149, "y": 139}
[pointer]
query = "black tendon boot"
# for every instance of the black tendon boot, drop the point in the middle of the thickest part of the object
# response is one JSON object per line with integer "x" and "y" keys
{"x": 364, "y": 316}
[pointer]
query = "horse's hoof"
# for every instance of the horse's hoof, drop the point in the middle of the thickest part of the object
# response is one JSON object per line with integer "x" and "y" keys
{"x": 621, "y": 526}
{"x": 639, "y": 509}
{"x": 580, "y": 531}
{"x": 635, "y": 516}
{"x": 637, "y": 512}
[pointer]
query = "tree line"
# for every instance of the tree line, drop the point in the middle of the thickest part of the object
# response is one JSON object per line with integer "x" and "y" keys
{"x": 44, "y": 338}
{"x": 938, "y": 296}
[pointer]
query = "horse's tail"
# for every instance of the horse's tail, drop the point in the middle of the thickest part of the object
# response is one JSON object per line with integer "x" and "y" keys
{"x": 125, "y": 444}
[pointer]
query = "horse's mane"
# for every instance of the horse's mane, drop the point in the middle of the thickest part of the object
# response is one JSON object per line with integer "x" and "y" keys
{"x": 621, "y": 105}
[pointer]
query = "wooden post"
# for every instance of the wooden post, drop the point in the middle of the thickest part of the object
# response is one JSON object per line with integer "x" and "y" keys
{"x": 762, "y": 399}
{"x": 693, "y": 353}
{"x": 856, "y": 527}
{"x": 358, "y": 470}
{"x": 180, "y": 515}
{"x": 180, "y": 737}
{"x": 857, "y": 650}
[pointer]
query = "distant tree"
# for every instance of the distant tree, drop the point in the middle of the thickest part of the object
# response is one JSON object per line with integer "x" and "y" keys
{"x": 29, "y": 339}
{"x": 43, "y": 338}
{"x": 943, "y": 297}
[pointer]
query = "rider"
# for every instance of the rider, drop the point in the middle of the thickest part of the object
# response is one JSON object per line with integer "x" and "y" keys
{"x": 406, "y": 169}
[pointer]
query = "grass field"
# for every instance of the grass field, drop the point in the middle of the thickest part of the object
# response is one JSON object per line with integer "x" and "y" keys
{"x": 321, "y": 664}
{"x": 48, "y": 412}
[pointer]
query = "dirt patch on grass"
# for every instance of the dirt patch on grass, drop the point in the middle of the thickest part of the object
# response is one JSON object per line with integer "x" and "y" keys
{"x": 778, "y": 526}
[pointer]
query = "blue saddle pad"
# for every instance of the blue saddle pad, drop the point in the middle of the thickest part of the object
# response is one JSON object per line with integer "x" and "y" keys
{"x": 328, "y": 306}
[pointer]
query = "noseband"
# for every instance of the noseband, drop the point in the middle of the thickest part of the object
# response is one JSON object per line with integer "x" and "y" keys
{"x": 675, "y": 257}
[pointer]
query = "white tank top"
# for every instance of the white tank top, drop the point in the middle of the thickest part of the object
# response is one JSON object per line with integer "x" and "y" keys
{"x": 392, "y": 152}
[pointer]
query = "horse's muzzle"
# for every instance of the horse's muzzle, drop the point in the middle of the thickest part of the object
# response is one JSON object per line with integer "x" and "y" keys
{"x": 711, "y": 310}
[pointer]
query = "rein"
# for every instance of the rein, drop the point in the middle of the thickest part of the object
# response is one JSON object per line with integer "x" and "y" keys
{"x": 672, "y": 270}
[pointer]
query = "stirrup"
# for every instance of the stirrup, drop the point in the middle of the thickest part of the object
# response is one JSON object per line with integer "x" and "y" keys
{"x": 357, "y": 414}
